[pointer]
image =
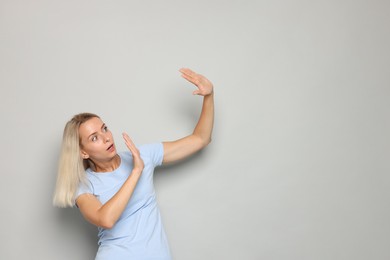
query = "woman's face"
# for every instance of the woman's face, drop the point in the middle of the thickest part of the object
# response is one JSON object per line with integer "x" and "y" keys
{"x": 96, "y": 142}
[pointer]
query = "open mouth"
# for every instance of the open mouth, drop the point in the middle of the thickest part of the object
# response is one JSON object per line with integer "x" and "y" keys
{"x": 110, "y": 147}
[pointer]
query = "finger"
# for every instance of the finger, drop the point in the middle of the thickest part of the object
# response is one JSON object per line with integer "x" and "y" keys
{"x": 187, "y": 71}
{"x": 194, "y": 80}
{"x": 189, "y": 78}
{"x": 127, "y": 138}
{"x": 129, "y": 143}
{"x": 189, "y": 74}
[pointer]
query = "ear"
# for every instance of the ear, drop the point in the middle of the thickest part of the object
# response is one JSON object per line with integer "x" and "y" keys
{"x": 84, "y": 155}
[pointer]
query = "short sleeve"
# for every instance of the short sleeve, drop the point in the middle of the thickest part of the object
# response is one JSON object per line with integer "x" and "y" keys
{"x": 84, "y": 188}
{"x": 154, "y": 151}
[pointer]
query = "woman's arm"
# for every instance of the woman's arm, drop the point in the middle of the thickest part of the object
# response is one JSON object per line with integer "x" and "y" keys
{"x": 107, "y": 215}
{"x": 201, "y": 136}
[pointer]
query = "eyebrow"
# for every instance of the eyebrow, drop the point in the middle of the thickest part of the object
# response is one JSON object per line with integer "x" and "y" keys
{"x": 103, "y": 125}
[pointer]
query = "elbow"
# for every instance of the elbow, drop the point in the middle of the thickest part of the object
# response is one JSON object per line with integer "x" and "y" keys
{"x": 208, "y": 141}
{"x": 200, "y": 142}
{"x": 106, "y": 223}
{"x": 205, "y": 142}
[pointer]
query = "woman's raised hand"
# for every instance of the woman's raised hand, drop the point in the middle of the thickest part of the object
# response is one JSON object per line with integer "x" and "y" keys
{"x": 137, "y": 160}
{"x": 205, "y": 87}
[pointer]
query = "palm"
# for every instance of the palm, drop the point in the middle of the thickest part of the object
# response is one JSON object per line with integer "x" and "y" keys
{"x": 138, "y": 162}
{"x": 205, "y": 87}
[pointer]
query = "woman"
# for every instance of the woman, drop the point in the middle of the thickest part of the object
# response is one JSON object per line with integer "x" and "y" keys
{"x": 114, "y": 191}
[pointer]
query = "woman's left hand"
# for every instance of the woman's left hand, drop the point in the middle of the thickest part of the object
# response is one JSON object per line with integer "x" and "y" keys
{"x": 205, "y": 87}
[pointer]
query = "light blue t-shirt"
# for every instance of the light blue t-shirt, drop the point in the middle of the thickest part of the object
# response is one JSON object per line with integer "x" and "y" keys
{"x": 138, "y": 233}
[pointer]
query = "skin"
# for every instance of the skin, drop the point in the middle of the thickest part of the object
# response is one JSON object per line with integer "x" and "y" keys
{"x": 97, "y": 144}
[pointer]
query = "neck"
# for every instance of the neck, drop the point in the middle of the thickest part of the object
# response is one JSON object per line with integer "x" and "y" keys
{"x": 107, "y": 166}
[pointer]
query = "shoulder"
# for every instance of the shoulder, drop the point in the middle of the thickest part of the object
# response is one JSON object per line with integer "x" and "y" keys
{"x": 150, "y": 152}
{"x": 150, "y": 148}
{"x": 85, "y": 187}
{"x": 144, "y": 149}
{"x": 153, "y": 151}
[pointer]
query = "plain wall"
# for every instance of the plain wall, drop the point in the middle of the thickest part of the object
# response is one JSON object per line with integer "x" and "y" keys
{"x": 299, "y": 164}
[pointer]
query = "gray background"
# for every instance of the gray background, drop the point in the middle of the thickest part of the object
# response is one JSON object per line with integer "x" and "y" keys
{"x": 299, "y": 163}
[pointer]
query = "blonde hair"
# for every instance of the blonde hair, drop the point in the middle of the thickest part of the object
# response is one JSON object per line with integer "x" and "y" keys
{"x": 71, "y": 167}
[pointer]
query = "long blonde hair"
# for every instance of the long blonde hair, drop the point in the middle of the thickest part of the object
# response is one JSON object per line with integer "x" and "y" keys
{"x": 71, "y": 168}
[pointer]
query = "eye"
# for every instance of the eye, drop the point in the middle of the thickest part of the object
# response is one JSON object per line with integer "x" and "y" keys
{"x": 94, "y": 138}
{"x": 105, "y": 129}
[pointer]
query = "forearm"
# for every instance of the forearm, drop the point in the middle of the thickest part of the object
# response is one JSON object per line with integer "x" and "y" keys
{"x": 201, "y": 136}
{"x": 204, "y": 127}
{"x": 111, "y": 211}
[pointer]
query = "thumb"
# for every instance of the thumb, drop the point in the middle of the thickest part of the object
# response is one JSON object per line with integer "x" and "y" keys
{"x": 196, "y": 92}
